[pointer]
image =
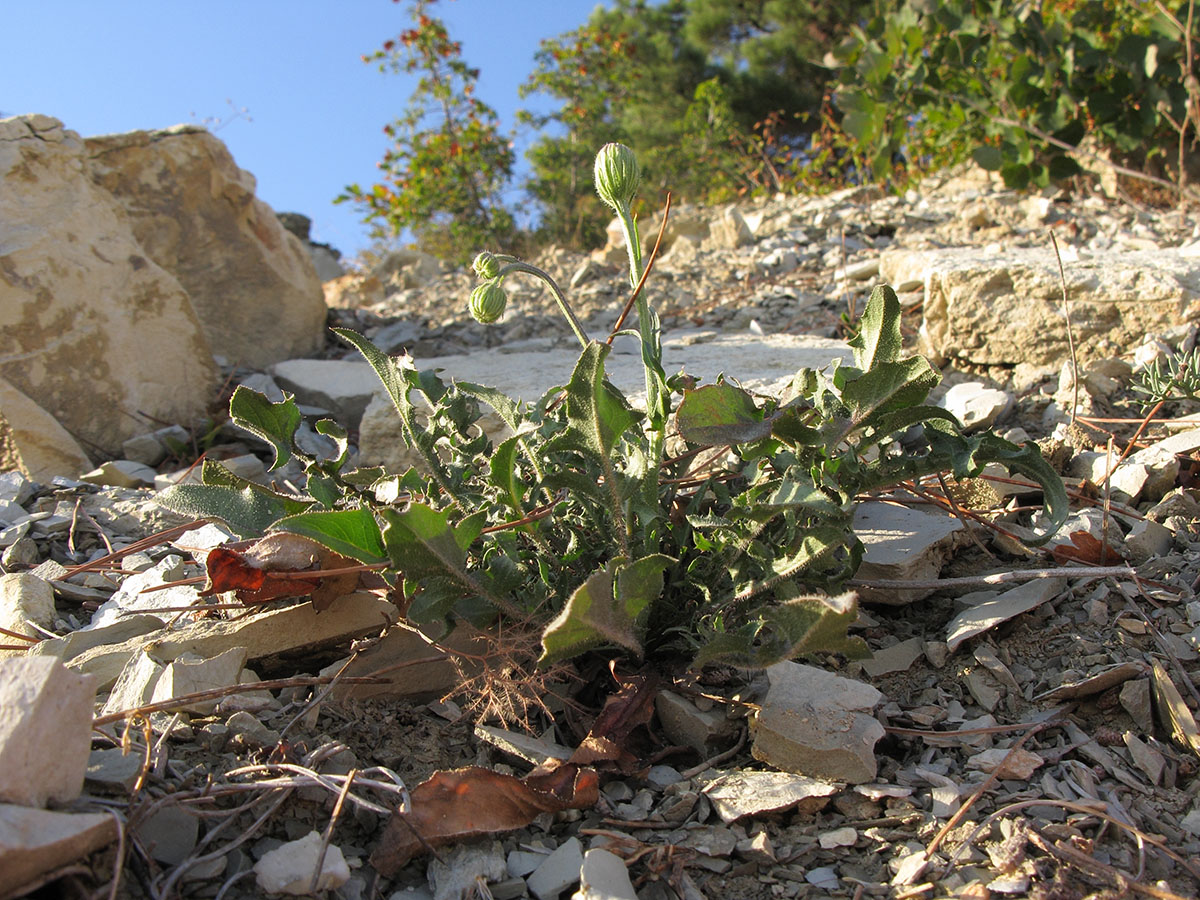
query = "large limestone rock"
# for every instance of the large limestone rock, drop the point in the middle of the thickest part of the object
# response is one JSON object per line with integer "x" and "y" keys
{"x": 991, "y": 309}
{"x": 92, "y": 330}
{"x": 252, "y": 283}
{"x": 32, "y": 441}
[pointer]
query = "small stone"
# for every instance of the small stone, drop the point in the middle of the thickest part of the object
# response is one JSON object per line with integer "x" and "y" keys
{"x": 819, "y": 724}
{"x": 35, "y": 841}
{"x": 289, "y": 869}
{"x": 684, "y": 723}
{"x": 976, "y": 405}
{"x": 1017, "y": 764}
{"x": 839, "y": 837}
{"x": 114, "y": 768}
{"x": 558, "y": 871}
{"x": 457, "y": 873}
{"x": 757, "y": 849}
{"x": 824, "y": 877}
{"x": 189, "y": 674}
{"x": 736, "y": 795}
{"x": 25, "y": 599}
{"x": 604, "y": 876}
{"x": 936, "y": 652}
{"x": 1135, "y": 700}
{"x": 247, "y": 730}
{"x": 662, "y": 777}
{"x": 522, "y": 862}
{"x": 124, "y": 473}
{"x": 1148, "y": 540}
{"x": 20, "y": 554}
{"x": 170, "y": 834}
{"x": 896, "y": 658}
{"x": 45, "y": 730}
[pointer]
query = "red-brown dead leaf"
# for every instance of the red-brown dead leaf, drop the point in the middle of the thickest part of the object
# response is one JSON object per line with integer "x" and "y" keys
{"x": 278, "y": 565}
{"x": 464, "y": 803}
{"x": 1086, "y": 549}
{"x": 607, "y": 742}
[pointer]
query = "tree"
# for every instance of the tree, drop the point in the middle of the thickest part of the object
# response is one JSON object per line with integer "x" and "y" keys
{"x": 709, "y": 92}
{"x": 443, "y": 175}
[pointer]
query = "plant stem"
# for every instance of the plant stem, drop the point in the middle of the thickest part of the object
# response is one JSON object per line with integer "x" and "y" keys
{"x": 516, "y": 265}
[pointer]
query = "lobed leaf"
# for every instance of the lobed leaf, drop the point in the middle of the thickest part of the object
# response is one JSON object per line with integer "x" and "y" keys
{"x": 275, "y": 423}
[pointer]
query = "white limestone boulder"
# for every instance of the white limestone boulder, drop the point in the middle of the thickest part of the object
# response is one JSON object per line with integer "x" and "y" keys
{"x": 252, "y": 283}
{"x": 92, "y": 330}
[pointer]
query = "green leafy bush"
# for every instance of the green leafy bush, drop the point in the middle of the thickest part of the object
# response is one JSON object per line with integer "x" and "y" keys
{"x": 1016, "y": 86}
{"x": 734, "y": 545}
{"x": 448, "y": 164}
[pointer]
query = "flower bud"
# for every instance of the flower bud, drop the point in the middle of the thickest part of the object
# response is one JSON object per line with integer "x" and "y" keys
{"x": 488, "y": 301}
{"x": 616, "y": 175}
{"x": 486, "y": 266}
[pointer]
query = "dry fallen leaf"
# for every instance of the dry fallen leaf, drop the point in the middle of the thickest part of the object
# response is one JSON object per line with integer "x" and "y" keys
{"x": 454, "y": 805}
{"x": 1173, "y": 711}
{"x": 464, "y": 803}
{"x": 1086, "y": 549}
{"x": 278, "y": 565}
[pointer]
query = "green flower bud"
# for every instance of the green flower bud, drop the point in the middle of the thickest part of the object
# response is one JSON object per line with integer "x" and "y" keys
{"x": 616, "y": 175}
{"x": 488, "y": 301}
{"x": 486, "y": 266}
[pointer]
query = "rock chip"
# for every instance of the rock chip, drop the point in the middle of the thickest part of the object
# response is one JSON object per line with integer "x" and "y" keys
{"x": 36, "y": 841}
{"x": 819, "y": 724}
{"x": 558, "y": 871}
{"x": 289, "y": 869}
{"x": 45, "y": 731}
{"x": 604, "y": 876}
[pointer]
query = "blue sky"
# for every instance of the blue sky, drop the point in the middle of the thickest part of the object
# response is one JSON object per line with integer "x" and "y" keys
{"x": 317, "y": 110}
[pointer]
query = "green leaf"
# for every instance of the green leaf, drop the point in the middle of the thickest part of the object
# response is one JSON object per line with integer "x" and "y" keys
{"x": 878, "y": 339}
{"x": 719, "y": 414}
{"x": 988, "y": 156}
{"x": 275, "y": 423}
{"x": 506, "y": 408}
{"x": 398, "y": 383}
{"x": 805, "y": 624}
{"x": 503, "y": 468}
{"x": 247, "y": 512}
{"x": 350, "y": 532}
{"x": 606, "y": 608}
{"x": 889, "y": 386}
{"x": 598, "y": 414}
{"x": 421, "y": 542}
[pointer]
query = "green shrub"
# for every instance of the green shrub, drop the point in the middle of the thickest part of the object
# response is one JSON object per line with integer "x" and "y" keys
{"x": 1016, "y": 86}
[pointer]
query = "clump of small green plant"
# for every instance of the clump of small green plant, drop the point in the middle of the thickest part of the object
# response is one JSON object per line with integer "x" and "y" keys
{"x": 1175, "y": 377}
{"x": 712, "y": 521}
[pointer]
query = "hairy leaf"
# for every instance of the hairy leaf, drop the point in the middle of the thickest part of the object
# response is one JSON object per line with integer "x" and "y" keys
{"x": 606, "y": 608}
{"x": 350, "y": 532}
{"x": 804, "y": 624}
{"x": 878, "y": 339}
{"x": 247, "y": 512}
{"x": 719, "y": 414}
{"x": 275, "y": 423}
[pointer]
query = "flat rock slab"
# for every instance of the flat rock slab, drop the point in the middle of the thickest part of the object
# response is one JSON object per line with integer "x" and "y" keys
{"x": 766, "y": 364}
{"x": 45, "y": 730}
{"x": 819, "y": 724}
{"x": 1005, "y": 307}
{"x": 36, "y": 841}
{"x": 982, "y": 616}
{"x": 265, "y": 634}
{"x": 902, "y": 544}
{"x": 737, "y": 795}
